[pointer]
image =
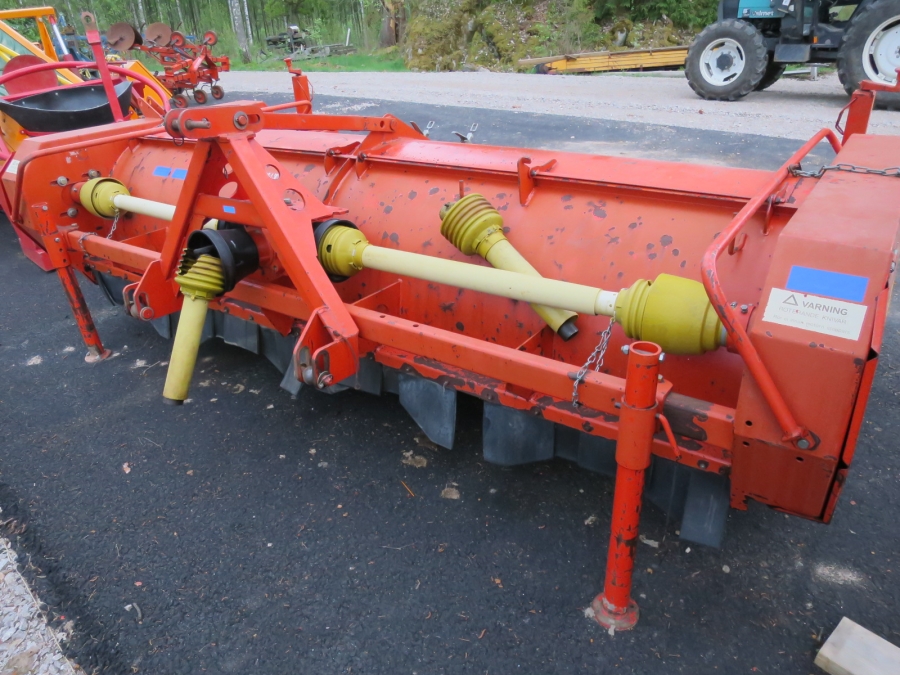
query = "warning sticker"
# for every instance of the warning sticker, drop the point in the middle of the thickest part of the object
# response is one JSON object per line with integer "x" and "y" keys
{"x": 812, "y": 312}
{"x": 13, "y": 166}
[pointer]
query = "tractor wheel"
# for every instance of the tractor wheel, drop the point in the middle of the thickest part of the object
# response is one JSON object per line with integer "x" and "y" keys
{"x": 217, "y": 92}
{"x": 179, "y": 101}
{"x": 200, "y": 96}
{"x": 726, "y": 61}
{"x": 871, "y": 50}
{"x": 773, "y": 73}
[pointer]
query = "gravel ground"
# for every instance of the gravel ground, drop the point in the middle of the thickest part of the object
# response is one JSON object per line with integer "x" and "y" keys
{"x": 27, "y": 644}
{"x": 789, "y": 109}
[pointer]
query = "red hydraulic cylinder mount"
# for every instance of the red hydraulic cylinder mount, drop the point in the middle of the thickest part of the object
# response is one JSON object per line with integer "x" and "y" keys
{"x": 614, "y": 608}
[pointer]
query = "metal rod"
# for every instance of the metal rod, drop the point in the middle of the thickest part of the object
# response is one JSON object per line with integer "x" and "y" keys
{"x": 513, "y": 285}
{"x": 64, "y": 51}
{"x": 614, "y": 608}
{"x": 504, "y": 256}
{"x": 93, "y": 38}
{"x": 144, "y": 207}
{"x": 793, "y": 431}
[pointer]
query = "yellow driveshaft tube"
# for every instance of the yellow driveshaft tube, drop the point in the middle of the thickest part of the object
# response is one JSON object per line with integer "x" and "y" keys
{"x": 210, "y": 266}
{"x": 105, "y": 197}
{"x": 201, "y": 279}
{"x": 473, "y": 225}
{"x": 671, "y": 311}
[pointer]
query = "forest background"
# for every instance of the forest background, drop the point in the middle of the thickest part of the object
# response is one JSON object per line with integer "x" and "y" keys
{"x": 425, "y": 35}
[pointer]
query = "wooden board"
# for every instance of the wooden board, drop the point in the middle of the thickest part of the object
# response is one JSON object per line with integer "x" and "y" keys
{"x": 853, "y": 650}
{"x": 635, "y": 59}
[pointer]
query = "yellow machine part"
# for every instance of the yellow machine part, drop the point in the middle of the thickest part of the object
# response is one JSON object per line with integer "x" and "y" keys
{"x": 98, "y": 196}
{"x": 200, "y": 280}
{"x": 671, "y": 311}
{"x": 12, "y": 132}
{"x": 13, "y": 43}
{"x": 596, "y": 62}
{"x": 473, "y": 225}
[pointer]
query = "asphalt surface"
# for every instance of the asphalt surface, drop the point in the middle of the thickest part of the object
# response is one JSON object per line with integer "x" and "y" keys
{"x": 573, "y": 134}
{"x": 264, "y": 534}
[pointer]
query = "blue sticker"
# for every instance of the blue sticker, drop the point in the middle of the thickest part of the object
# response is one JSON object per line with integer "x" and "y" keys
{"x": 831, "y": 284}
{"x": 162, "y": 171}
{"x": 180, "y": 174}
{"x": 229, "y": 209}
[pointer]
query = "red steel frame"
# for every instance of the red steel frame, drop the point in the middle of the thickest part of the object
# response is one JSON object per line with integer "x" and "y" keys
{"x": 333, "y": 327}
{"x": 640, "y": 410}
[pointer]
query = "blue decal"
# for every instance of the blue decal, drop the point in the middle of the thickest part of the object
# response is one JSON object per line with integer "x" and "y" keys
{"x": 180, "y": 174}
{"x": 162, "y": 171}
{"x": 229, "y": 209}
{"x": 832, "y": 284}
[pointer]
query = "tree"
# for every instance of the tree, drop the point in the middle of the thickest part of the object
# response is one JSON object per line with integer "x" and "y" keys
{"x": 249, "y": 23}
{"x": 240, "y": 29}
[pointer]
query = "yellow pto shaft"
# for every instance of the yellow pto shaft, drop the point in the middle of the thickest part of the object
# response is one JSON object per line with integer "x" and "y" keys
{"x": 200, "y": 280}
{"x": 105, "y": 197}
{"x": 473, "y": 225}
{"x": 673, "y": 311}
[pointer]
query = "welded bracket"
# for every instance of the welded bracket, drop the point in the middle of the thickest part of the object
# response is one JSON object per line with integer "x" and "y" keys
{"x": 527, "y": 174}
{"x": 156, "y": 294}
{"x": 216, "y": 121}
{"x": 334, "y": 156}
{"x": 322, "y": 357}
{"x": 859, "y": 109}
{"x": 330, "y": 335}
{"x": 54, "y": 242}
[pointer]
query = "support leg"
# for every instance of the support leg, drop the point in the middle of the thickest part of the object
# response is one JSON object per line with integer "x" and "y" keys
{"x": 82, "y": 315}
{"x": 614, "y": 608}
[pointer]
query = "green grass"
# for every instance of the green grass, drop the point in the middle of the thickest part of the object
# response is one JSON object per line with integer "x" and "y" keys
{"x": 375, "y": 62}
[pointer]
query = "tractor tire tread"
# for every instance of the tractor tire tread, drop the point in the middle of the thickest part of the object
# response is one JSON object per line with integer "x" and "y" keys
{"x": 849, "y": 63}
{"x": 756, "y": 56}
{"x": 773, "y": 73}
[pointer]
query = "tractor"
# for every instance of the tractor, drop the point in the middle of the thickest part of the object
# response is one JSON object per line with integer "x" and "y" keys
{"x": 748, "y": 48}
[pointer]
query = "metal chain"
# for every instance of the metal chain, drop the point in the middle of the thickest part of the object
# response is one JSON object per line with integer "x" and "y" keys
{"x": 115, "y": 223}
{"x": 595, "y": 359}
{"x": 797, "y": 170}
{"x": 81, "y": 240}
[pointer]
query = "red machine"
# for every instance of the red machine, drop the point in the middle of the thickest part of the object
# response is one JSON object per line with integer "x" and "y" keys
{"x": 186, "y": 66}
{"x": 354, "y": 252}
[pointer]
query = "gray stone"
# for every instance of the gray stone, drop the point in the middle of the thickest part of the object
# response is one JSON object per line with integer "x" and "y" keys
{"x": 27, "y": 645}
